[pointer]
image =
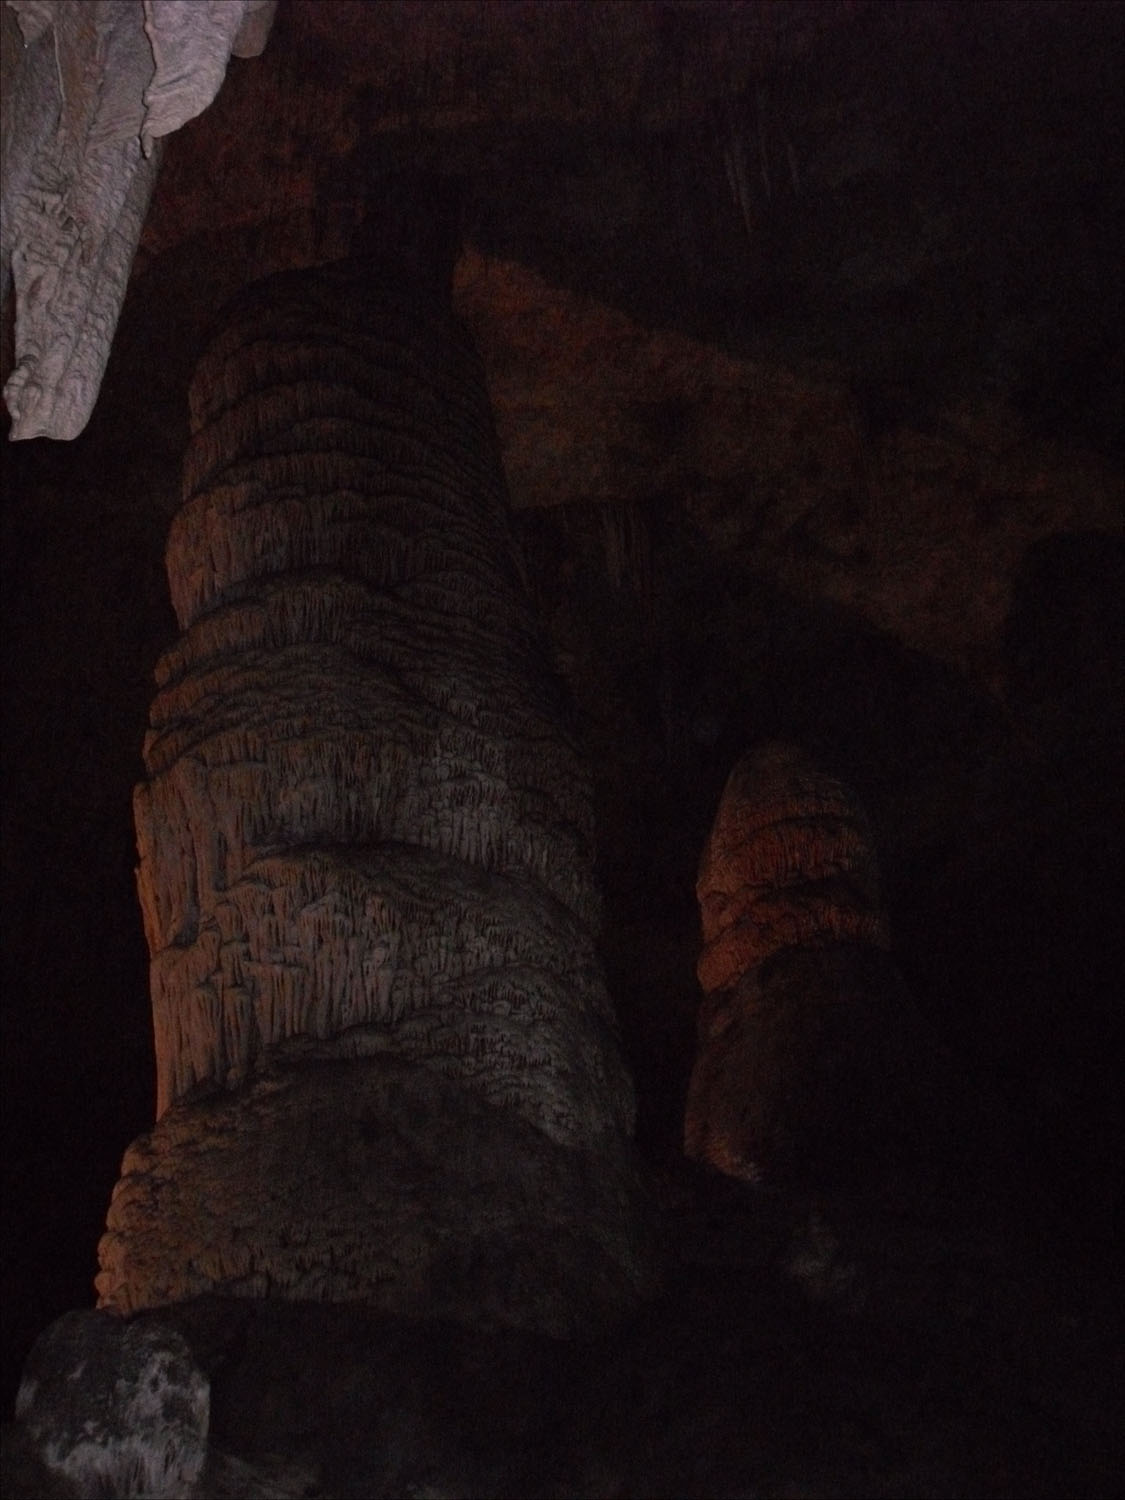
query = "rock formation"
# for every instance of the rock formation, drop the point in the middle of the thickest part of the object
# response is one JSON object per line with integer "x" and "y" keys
{"x": 822, "y": 297}
{"x": 789, "y": 864}
{"x": 383, "y": 1041}
{"x": 89, "y": 93}
{"x": 116, "y": 1409}
{"x": 809, "y": 1046}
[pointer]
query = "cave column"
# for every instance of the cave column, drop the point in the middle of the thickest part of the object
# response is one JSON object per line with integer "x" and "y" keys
{"x": 813, "y": 1067}
{"x": 386, "y": 1058}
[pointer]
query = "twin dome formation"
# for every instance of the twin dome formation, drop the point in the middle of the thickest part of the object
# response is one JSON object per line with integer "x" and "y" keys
{"x": 388, "y": 1068}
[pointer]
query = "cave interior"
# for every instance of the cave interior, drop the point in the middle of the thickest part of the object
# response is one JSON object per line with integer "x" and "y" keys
{"x": 802, "y": 330}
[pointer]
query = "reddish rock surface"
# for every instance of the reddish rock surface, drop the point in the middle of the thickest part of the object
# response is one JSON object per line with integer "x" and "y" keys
{"x": 789, "y": 864}
{"x": 813, "y": 1064}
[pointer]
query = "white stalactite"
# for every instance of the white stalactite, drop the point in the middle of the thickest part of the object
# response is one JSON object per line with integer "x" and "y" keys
{"x": 80, "y": 169}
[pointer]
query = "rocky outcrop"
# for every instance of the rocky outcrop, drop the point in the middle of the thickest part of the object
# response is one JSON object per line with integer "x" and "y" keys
{"x": 108, "y": 1407}
{"x": 114, "y": 1408}
{"x": 868, "y": 1355}
{"x": 89, "y": 93}
{"x": 811, "y": 1059}
{"x": 366, "y": 850}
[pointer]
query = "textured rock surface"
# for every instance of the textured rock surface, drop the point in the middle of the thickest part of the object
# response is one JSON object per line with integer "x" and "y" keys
{"x": 380, "y": 1183}
{"x": 814, "y": 1068}
{"x": 802, "y": 1349}
{"x": 116, "y": 1408}
{"x": 366, "y": 834}
{"x": 917, "y": 525}
{"x": 789, "y": 864}
{"x": 812, "y": 1063}
{"x": 848, "y": 438}
{"x": 365, "y": 822}
{"x": 89, "y": 91}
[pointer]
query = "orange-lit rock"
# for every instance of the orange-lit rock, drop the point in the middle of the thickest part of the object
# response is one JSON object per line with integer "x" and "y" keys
{"x": 789, "y": 864}
{"x": 802, "y": 362}
{"x": 810, "y": 1053}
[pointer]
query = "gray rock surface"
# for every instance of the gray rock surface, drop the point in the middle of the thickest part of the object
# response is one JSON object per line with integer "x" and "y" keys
{"x": 116, "y": 1408}
{"x": 90, "y": 92}
{"x": 382, "y": 1183}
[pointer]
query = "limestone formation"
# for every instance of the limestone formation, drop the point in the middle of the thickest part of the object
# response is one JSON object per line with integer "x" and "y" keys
{"x": 789, "y": 864}
{"x": 115, "y": 1408}
{"x": 377, "y": 1182}
{"x": 810, "y": 1056}
{"x": 89, "y": 92}
{"x": 365, "y": 839}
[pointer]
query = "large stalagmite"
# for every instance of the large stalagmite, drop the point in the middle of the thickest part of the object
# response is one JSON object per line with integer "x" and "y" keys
{"x": 385, "y": 1052}
{"x": 789, "y": 863}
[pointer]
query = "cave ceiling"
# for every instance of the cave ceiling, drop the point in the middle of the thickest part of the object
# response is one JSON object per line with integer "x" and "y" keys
{"x": 786, "y": 311}
{"x": 836, "y": 282}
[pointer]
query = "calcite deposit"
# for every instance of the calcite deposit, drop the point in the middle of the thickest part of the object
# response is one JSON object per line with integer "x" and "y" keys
{"x": 365, "y": 836}
{"x": 89, "y": 93}
{"x": 789, "y": 863}
{"x": 811, "y": 1058}
{"x": 116, "y": 1409}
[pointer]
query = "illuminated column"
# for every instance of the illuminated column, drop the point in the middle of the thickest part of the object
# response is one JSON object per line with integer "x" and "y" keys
{"x": 811, "y": 1058}
{"x": 384, "y": 1044}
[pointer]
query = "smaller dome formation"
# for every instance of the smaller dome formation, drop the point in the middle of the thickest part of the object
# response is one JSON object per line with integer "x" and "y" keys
{"x": 789, "y": 864}
{"x": 810, "y": 1051}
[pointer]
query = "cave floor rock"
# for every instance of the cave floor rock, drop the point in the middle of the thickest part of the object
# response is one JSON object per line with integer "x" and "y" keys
{"x": 867, "y": 1347}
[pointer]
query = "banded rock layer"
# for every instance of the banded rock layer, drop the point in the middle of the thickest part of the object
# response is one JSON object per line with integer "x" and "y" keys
{"x": 811, "y": 1058}
{"x": 383, "y": 1183}
{"x": 365, "y": 836}
{"x": 789, "y": 863}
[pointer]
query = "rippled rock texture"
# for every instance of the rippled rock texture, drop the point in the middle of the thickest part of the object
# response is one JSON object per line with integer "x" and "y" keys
{"x": 366, "y": 843}
{"x": 89, "y": 92}
{"x": 811, "y": 1058}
